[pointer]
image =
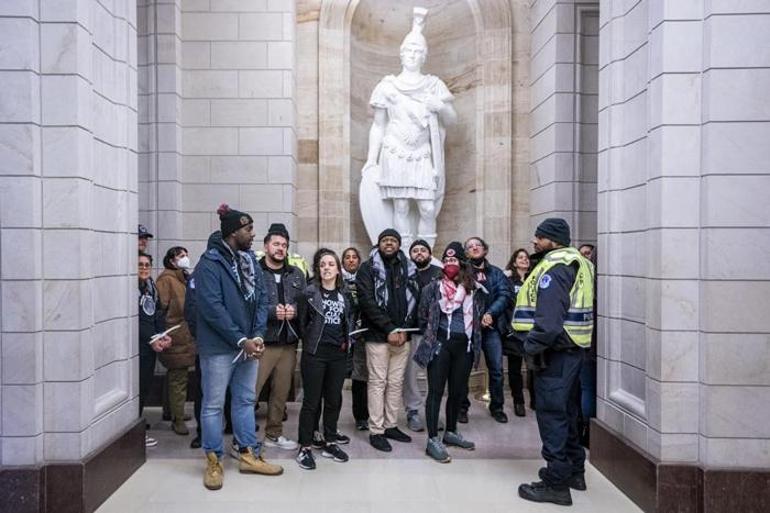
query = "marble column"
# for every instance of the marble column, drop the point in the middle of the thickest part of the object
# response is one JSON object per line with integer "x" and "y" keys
{"x": 68, "y": 203}
{"x": 563, "y": 128}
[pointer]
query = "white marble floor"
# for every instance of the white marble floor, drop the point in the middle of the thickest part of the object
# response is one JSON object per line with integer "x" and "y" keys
{"x": 485, "y": 480}
{"x": 363, "y": 485}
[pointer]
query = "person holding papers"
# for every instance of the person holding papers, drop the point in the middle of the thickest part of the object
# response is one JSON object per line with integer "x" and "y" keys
{"x": 325, "y": 312}
{"x": 231, "y": 309}
{"x": 387, "y": 298}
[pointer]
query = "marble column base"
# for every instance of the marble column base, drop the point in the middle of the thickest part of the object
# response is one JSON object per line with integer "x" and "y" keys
{"x": 74, "y": 487}
{"x": 667, "y": 487}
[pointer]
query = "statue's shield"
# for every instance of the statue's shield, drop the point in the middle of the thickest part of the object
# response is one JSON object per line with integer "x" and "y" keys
{"x": 376, "y": 212}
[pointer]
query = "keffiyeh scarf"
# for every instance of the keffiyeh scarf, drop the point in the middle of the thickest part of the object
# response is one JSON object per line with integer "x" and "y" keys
{"x": 454, "y": 296}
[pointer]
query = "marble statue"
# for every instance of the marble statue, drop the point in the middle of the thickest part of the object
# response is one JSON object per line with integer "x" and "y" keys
{"x": 403, "y": 180}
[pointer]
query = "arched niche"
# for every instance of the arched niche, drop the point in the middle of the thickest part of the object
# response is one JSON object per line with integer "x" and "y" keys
{"x": 470, "y": 49}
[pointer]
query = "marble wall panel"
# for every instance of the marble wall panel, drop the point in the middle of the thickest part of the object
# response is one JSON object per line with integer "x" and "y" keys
{"x": 18, "y": 150}
{"x": 22, "y": 358}
{"x": 21, "y": 260}
{"x": 84, "y": 79}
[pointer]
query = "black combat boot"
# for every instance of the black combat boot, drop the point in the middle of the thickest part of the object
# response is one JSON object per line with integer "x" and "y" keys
{"x": 541, "y": 492}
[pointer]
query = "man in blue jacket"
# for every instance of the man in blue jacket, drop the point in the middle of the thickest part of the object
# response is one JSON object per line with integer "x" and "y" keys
{"x": 499, "y": 298}
{"x": 231, "y": 309}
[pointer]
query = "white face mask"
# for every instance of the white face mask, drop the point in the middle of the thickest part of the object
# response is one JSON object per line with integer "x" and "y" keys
{"x": 183, "y": 263}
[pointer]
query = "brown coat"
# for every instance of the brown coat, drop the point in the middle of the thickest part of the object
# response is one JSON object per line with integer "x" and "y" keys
{"x": 172, "y": 286}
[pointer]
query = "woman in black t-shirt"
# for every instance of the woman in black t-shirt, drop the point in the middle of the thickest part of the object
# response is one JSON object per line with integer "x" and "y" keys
{"x": 326, "y": 318}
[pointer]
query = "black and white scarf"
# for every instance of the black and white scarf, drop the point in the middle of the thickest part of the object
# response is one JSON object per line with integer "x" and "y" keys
{"x": 245, "y": 270}
{"x": 381, "y": 280}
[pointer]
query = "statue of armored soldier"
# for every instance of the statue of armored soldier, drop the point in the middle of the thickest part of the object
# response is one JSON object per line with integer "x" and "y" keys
{"x": 404, "y": 176}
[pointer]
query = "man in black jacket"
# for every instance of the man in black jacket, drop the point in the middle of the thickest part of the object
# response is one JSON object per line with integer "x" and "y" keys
{"x": 499, "y": 299}
{"x": 283, "y": 283}
{"x": 387, "y": 296}
{"x": 414, "y": 401}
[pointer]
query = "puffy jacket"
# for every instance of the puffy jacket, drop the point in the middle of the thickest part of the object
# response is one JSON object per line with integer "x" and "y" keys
{"x": 171, "y": 286}
{"x": 429, "y": 314}
{"x": 500, "y": 296}
{"x": 293, "y": 280}
{"x": 223, "y": 315}
{"x": 310, "y": 314}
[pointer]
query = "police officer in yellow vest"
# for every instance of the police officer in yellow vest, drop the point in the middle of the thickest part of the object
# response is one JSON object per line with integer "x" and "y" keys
{"x": 554, "y": 318}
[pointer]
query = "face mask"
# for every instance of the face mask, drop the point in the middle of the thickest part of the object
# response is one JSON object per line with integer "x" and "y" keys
{"x": 477, "y": 261}
{"x": 451, "y": 271}
{"x": 183, "y": 263}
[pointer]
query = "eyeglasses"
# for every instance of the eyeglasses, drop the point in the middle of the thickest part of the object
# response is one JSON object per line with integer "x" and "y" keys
{"x": 145, "y": 266}
{"x": 474, "y": 245}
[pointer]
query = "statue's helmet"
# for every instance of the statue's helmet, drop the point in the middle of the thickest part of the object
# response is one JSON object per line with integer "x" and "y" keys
{"x": 415, "y": 37}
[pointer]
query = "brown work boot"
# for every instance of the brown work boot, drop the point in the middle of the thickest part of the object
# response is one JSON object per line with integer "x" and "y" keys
{"x": 215, "y": 474}
{"x": 179, "y": 427}
{"x": 249, "y": 463}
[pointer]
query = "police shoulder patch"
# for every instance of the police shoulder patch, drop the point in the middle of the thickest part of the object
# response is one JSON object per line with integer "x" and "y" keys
{"x": 545, "y": 281}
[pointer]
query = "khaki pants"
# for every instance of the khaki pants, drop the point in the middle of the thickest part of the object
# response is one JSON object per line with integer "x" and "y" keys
{"x": 386, "y": 365}
{"x": 177, "y": 392}
{"x": 414, "y": 401}
{"x": 280, "y": 362}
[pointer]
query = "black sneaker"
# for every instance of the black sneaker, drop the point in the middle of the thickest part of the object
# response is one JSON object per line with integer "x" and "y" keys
{"x": 318, "y": 440}
{"x": 396, "y": 434}
{"x": 362, "y": 425}
{"x": 196, "y": 443}
{"x": 541, "y": 492}
{"x": 333, "y": 451}
{"x": 499, "y": 416}
{"x": 576, "y": 482}
{"x": 305, "y": 459}
{"x": 462, "y": 417}
{"x": 380, "y": 443}
{"x": 341, "y": 439}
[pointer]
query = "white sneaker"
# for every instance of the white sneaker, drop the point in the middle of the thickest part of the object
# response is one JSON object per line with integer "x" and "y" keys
{"x": 149, "y": 441}
{"x": 281, "y": 442}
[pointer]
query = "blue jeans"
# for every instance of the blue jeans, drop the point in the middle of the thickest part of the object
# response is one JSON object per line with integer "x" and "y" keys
{"x": 218, "y": 372}
{"x": 492, "y": 346}
{"x": 493, "y": 355}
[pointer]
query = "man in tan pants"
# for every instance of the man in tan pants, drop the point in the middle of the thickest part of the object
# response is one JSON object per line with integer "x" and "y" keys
{"x": 387, "y": 295}
{"x": 283, "y": 283}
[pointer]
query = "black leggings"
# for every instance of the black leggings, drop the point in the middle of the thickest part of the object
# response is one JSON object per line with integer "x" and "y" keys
{"x": 360, "y": 401}
{"x": 323, "y": 375}
{"x": 452, "y": 363}
{"x": 514, "y": 378}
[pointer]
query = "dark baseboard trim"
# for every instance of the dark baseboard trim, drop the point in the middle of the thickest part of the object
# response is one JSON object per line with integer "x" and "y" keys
{"x": 659, "y": 487}
{"x": 74, "y": 487}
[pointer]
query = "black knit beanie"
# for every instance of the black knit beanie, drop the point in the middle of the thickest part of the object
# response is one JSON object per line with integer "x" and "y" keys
{"x": 389, "y": 232}
{"x": 278, "y": 229}
{"x": 555, "y": 229}
{"x": 231, "y": 220}
{"x": 455, "y": 249}
{"x": 420, "y": 242}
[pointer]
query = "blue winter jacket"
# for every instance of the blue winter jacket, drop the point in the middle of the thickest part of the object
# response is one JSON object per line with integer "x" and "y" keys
{"x": 500, "y": 297}
{"x": 222, "y": 313}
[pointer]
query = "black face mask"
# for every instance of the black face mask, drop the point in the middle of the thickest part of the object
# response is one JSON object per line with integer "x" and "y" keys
{"x": 477, "y": 261}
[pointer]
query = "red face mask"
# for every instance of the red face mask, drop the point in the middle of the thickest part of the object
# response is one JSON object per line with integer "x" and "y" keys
{"x": 451, "y": 271}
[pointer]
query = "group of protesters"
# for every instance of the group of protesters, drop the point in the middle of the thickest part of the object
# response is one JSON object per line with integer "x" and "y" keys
{"x": 239, "y": 317}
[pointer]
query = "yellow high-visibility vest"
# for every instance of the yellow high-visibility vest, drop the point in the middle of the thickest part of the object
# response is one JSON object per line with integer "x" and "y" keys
{"x": 579, "y": 323}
